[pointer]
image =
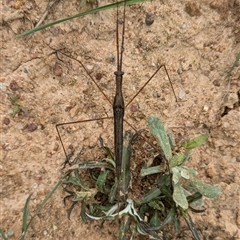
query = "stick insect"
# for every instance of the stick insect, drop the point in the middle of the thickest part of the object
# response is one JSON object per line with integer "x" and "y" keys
{"x": 118, "y": 106}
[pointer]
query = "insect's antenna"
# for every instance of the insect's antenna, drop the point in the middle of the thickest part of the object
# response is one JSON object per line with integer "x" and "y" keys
{"x": 123, "y": 34}
{"x": 120, "y": 49}
{"x": 117, "y": 39}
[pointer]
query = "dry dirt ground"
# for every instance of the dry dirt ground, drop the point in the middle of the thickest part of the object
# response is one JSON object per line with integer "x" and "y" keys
{"x": 198, "y": 42}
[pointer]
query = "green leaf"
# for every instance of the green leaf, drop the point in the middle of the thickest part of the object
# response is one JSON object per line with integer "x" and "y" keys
{"x": 16, "y": 109}
{"x": 176, "y": 174}
{"x": 196, "y": 142}
{"x": 194, "y": 197}
{"x": 179, "y": 196}
{"x": 25, "y": 214}
{"x": 150, "y": 170}
{"x": 156, "y": 204}
{"x": 172, "y": 213}
{"x": 83, "y": 211}
{"x": 92, "y": 164}
{"x": 171, "y": 139}
{"x": 176, "y": 223}
{"x": 177, "y": 160}
{"x": 205, "y": 189}
{"x": 80, "y": 182}
{"x": 155, "y": 220}
{"x": 191, "y": 171}
{"x": 69, "y": 211}
{"x": 164, "y": 180}
{"x": 102, "y": 180}
{"x": 124, "y": 227}
{"x": 113, "y": 192}
{"x": 184, "y": 173}
{"x": 153, "y": 193}
{"x": 157, "y": 129}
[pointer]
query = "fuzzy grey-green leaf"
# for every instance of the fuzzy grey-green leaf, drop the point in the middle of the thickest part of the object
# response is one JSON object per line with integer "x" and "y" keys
{"x": 179, "y": 196}
{"x": 157, "y": 129}
{"x": 153, "y": 193}
{"x": 177, "y": 160}
{"x": 196, "y": 142}
{"x": 205, "y": 189}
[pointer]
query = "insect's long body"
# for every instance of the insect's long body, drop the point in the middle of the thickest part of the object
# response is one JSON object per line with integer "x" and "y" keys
{"x": 118, "y": 111}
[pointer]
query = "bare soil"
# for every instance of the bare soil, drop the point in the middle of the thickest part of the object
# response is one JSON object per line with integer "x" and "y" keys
{"x": 198, "y": 41}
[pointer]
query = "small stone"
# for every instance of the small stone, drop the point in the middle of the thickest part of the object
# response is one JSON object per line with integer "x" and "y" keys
{"x": 181, "y": 94}
{"x": 90, "y": 67}
{"x": 3, "y": 87}
{"x": 55, "y": 147}
{"x": 57, "y": 70}
{"x": 205, "y": 108}
{"x": 216, "y": 83}
{"x": 134, "y": 107}
{"x": 99, "y": 76}
{"x": 13, "y": 85}
{"x": 149, "y": 19}
{"x": 31, "y": 127}
{"x": 6, "y": 121}
{"x": 155, "y": 94}
{"x": 226, "y": 124}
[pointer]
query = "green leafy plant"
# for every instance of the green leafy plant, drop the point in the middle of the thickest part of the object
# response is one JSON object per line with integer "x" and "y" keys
{"x": 17, "y": 108}
{"x": 173, "y": 191}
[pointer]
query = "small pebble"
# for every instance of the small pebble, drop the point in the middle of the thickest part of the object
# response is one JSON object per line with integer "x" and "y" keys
{"x": 181, "y": 94}
{"x": 216, "y": 83}
{"x": 134, "y": 107}
{"x": 3, "y": 87}
{"x": 13, "y": 85}
{"x": 205, "y": 108}
{"x": 90, "y": 67}
{"x": 155, "y": 94}
{"x": 31, "y": 127}
{"x": 57, "y": 70}
{"x": 6, "y": 121}
{"x": 149, "y": 19}
{"x": 99, "y": 76}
